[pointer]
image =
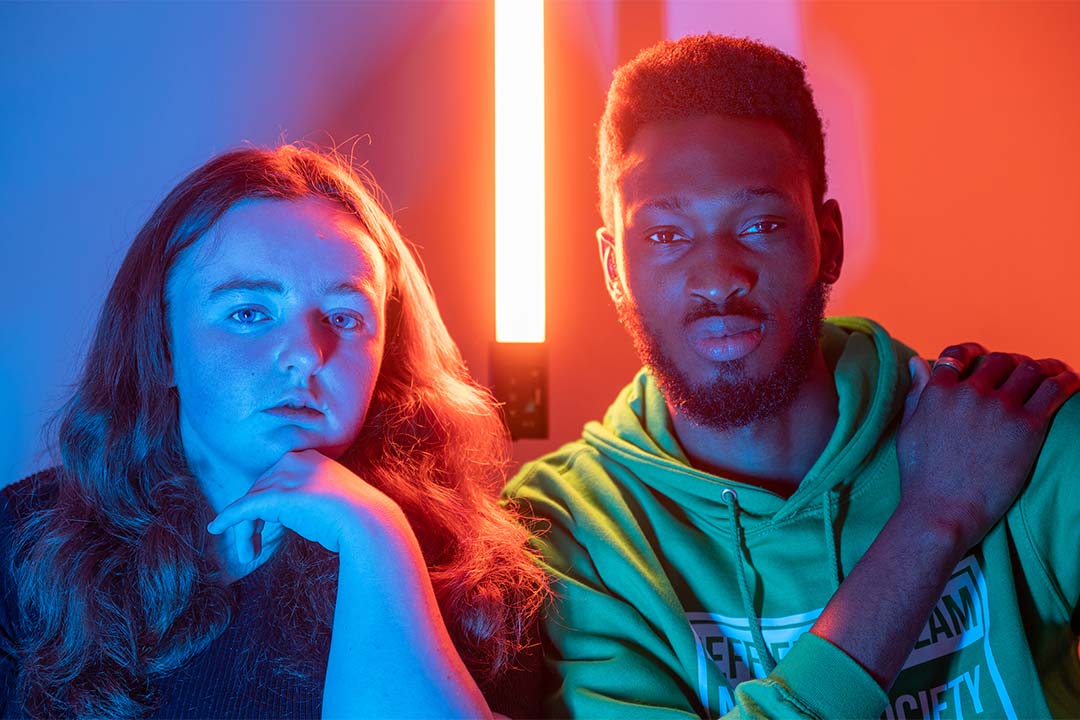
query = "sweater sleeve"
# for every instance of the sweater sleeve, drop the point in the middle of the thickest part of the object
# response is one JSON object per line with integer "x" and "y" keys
{"x": 815, "y": 679}
{"x": 608, "y": 657}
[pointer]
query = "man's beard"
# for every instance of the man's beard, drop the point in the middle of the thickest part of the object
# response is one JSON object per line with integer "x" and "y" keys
{"x": 732, "y": 400}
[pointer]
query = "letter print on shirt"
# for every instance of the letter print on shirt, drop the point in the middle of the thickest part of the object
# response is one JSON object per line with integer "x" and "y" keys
{"x": 950, "y": 672}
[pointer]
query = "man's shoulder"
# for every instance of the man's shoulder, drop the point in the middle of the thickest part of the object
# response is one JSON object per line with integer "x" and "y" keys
{"x": 1051, "y": 489}
{"x": 1061, "y": 451}
{"x": 1067, "y": 419}
{"x": 558, "y": 469}
{"x": 580, "y": 484}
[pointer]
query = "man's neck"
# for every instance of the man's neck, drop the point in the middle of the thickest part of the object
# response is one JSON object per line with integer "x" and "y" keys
{"x": 774, "y": 453}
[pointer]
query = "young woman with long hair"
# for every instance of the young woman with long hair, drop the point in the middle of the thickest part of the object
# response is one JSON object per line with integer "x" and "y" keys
{"x": 276, "y": 494}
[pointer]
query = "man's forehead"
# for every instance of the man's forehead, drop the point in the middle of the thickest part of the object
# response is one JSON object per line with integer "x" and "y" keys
{"x": 749, "y": 157}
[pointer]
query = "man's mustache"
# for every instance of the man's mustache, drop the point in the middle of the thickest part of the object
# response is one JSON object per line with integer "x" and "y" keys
{"x": 734, "y": 306}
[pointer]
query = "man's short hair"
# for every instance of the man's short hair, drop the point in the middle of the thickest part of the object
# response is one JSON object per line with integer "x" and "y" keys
{"x": 701, "y": 75}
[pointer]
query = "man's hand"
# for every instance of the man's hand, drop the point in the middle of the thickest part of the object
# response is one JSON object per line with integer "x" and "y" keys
{"x": 970, "y": 433}
{"x": 972, "y": 428}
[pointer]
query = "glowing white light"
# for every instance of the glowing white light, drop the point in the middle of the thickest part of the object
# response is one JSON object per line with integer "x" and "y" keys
{"x": 519, "y": 170}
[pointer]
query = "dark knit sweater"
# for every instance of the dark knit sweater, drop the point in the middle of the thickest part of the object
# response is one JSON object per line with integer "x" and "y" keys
{"x": 230, "y": 678}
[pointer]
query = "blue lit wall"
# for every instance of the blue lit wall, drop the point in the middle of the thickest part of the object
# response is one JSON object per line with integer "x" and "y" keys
{"x": 105, "y": 106}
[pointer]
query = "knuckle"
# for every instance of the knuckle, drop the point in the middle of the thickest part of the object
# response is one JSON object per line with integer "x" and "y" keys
{"x": 1028, "y": 365}
{"x": 1053, "y": 386}
{"x": 956, "y": 351}
{"x": 1051, "y": 366}
{"x": 967, "y": 392}
{"x": 1023, "y": 424}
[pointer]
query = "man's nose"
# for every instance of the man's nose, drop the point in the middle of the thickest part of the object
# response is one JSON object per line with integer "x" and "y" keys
{"x": 720, "y": 269}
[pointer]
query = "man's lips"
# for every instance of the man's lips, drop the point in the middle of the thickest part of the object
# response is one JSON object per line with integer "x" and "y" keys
{"x": 723, "y": 338}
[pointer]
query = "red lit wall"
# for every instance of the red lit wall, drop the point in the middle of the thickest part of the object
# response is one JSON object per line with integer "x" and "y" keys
{"x": 952, "y": 151}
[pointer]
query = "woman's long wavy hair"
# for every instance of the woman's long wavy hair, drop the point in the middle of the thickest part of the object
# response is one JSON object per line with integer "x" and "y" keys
{"x": 116, "y": 581}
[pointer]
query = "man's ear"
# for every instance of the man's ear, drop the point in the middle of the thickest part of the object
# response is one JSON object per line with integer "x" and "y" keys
{"x": 831, "y": 228}
{"x": 605, "y": 243}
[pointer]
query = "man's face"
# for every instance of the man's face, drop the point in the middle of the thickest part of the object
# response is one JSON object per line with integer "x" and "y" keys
{"x": 276, "y": 333}
{"x": 719, "y": 265}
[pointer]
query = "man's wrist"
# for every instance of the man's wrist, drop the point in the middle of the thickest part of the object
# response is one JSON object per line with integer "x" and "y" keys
{"x": 927, "y": 530}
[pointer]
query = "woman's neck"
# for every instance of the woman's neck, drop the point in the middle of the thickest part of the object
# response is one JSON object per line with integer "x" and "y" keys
{"x": 222, "y": 484}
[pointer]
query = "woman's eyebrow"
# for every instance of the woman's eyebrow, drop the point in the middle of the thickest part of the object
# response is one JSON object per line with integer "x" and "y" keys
{"x": 251, "y": 284}
{"x": 365, "y": 289}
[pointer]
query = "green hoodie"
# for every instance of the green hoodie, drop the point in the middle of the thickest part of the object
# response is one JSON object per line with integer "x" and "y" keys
{"x": 664, "y": 576}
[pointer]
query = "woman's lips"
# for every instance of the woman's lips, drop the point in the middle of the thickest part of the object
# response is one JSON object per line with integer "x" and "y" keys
{"x": 723, "y": 338}
{"x": 295, "y": 413}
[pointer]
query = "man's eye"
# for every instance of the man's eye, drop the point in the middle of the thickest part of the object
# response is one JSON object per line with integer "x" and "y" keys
{"x": 249, "y": 316}
{"x": 664, "y": 237}
{"x": 761, "y": 228}
{"x": 344, "y": 321}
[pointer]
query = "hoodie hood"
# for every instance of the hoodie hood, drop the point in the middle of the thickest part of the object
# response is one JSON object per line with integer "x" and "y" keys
{"x": 871, "y": 375}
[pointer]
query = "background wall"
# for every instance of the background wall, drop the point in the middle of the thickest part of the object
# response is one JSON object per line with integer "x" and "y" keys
{"x": 107, "y": 105}
{"x": 950, "y": 136}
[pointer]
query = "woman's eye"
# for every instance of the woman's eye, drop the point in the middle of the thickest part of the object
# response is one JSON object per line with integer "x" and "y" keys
{"x": 344, "y": 321}
{"x": 664, "y": 237}
{"x": 249, "y": 316}
{"x": 762, "y": 227}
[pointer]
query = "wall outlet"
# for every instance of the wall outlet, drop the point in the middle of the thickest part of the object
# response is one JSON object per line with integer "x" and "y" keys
{"x": 519, "y": 381}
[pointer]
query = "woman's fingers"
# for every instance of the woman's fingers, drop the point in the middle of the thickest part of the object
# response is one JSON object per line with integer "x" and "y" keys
{"x": 305, "y": 513}
{"x": 238, "y": 540}
{"x": 316, "y": 498}
{"x": 264, "y": 506}
{"x": 245, "y": 551}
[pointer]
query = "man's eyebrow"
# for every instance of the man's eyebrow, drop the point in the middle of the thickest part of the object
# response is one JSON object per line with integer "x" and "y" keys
{"x": 676, "y": 203}
{"x": 250, "y": 284}
{"x": 763, "y": 191}
{"x": 668, "y": 204}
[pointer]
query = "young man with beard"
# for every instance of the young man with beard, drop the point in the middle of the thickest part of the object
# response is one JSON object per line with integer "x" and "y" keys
{"x": 762, "y": 523}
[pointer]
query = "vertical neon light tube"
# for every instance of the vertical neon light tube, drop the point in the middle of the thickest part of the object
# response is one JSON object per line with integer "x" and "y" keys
{"x": 519, "y": 171}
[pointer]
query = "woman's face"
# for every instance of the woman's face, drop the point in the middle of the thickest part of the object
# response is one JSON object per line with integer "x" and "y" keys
{"x": 276, "y": 323}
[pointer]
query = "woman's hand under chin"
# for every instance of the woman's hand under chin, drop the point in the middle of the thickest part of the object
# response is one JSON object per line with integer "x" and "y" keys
{"x": 387, "y": 624}
{"x": 318, "y": 499}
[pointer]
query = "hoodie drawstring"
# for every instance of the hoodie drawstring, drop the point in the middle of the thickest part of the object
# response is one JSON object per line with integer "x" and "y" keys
{"x": 732, "y": 499}
{"x": 836, "y": 572}
{"x": 828, "y": 518}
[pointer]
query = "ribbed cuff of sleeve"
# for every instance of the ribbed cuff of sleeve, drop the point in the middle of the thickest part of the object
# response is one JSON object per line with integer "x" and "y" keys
{"x": 822, "y": 681}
